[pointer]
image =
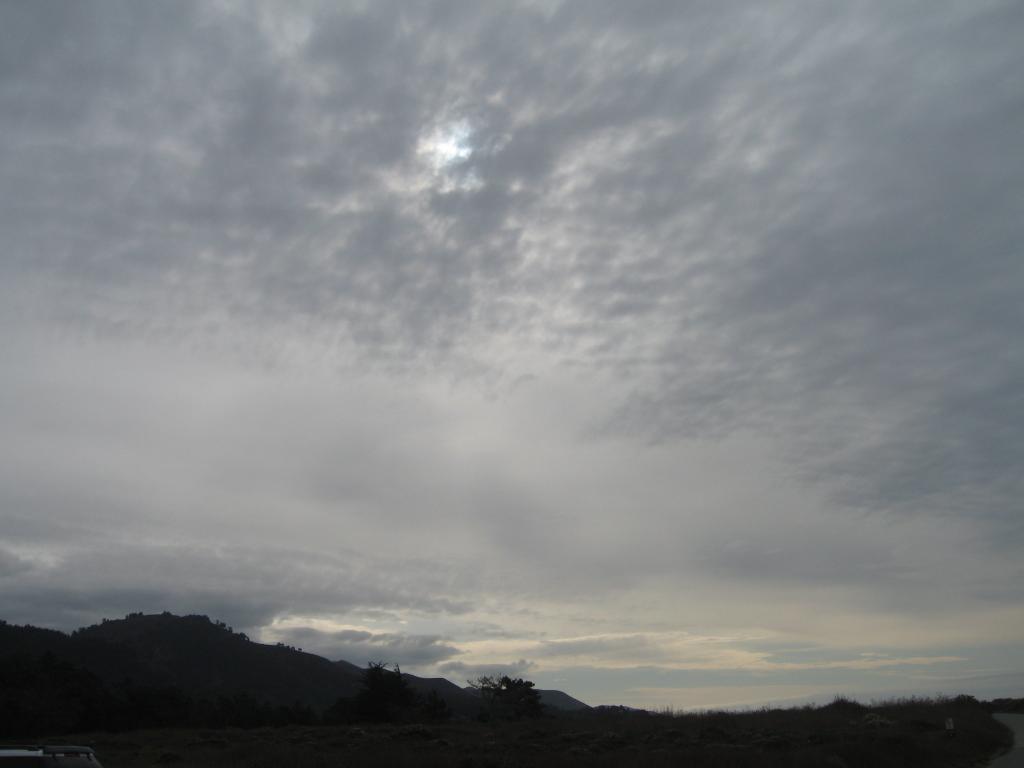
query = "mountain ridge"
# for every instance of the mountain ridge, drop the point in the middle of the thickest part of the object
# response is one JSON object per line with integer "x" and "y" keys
{"x": 207, "y": 659}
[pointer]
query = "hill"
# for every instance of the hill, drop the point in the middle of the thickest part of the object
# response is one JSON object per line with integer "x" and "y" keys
{"x": 207, "y": 658}
{"x": 561, "y": 701}
{"x": 178, "y": 658}
{"x": 460, "y": 702}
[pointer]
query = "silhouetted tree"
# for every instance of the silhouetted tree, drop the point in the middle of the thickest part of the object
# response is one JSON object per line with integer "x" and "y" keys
{"x": 507, "y": 697}
{"x": 384, "y": 697}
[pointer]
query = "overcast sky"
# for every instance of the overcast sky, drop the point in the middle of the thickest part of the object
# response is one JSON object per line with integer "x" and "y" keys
{"x": 668, "y": 353}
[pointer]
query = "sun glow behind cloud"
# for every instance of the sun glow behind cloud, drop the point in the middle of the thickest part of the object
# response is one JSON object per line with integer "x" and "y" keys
{"x": 447, "y": 150}
{"x": 448, "y": 144}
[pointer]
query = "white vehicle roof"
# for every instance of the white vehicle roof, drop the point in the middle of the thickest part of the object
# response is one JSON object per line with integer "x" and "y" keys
{"x": 40, "y": 750}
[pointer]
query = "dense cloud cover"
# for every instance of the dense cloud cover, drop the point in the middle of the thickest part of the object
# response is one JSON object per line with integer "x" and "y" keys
{"x": 536, "y": 336}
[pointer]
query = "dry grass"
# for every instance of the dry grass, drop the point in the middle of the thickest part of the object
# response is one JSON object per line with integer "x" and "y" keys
{"x": 905, "y": 733}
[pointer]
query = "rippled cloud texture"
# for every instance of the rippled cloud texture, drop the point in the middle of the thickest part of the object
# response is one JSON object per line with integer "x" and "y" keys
{"x": 668, "y": 353}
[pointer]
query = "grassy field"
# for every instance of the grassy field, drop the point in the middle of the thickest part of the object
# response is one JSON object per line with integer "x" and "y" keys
{"x": 900, "y": 734}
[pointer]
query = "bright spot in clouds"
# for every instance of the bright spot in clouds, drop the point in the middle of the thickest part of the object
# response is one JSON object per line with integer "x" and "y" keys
{"x": 448, "y": 145}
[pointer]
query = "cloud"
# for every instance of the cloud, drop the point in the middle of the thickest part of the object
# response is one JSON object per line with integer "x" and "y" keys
{"x": 459, "y": 669}
{"x": 359, "y": 646}
{"x": 685, "y": 651}
{"x": 782, "y": 241}
{"x": 599, "y": 646}
{"x": 708, "y": 323}
{"x": 245, "y": 587}
{"x": 849, "y": 317}
{"x": 12, "y": 564}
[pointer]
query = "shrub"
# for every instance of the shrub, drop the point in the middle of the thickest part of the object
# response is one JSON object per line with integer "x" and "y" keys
{"x": 507, "y": 697}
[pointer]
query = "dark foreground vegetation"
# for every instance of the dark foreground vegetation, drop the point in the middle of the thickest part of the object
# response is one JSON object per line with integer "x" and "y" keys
{"x": 905, "y": 733}
{"x": 1009, "y": 706}
{"x": 171, "y": 690}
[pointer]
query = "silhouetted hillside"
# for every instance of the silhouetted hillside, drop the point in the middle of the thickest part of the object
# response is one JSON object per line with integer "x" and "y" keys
{"x": 207, "y": 658}
{"x": 459, "y": 701}
{"x": 551, "y": 700}
{"x": 162, "y": 669}
{"x": 103, "y": 658}
{"x": 1005, "y": 705}
{"x": 561, "y": 701}
{"x": 147, "y": 671}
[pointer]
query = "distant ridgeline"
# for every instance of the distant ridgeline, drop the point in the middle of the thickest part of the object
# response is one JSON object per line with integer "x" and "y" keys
{"x": 166, "y": 670}
{"x": 1012, "y": 706}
